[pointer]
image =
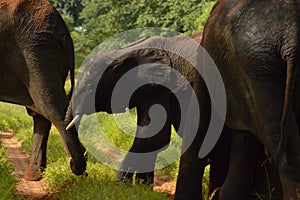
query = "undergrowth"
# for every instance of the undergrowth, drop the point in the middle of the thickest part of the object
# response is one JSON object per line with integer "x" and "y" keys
{"x": 7, "y": 182}
{"x": 100, "y": 182}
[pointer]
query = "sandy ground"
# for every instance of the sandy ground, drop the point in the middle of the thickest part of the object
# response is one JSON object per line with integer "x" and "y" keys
{"x": 163, "y": 183}
{"x": 16, "y": 154}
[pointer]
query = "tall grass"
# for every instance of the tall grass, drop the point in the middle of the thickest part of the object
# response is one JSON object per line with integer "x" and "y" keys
{"x": 7, "y": 182}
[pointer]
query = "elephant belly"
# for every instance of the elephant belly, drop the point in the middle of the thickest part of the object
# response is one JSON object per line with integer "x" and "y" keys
{"x": 254, "y": 105}
{"x": 12, "y": 90}
{"x": 237, "y": 115}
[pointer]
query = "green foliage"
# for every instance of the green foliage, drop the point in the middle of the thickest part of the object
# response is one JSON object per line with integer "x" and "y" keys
{"x": 205, "y": 183}
{"x": 69, "y": 7}
{"x": 102, "y": 19}
{"x": 201, "y": 20}
{"x": 91, "y": 21}
{"x": 7, "y": 182}
{"x": 69, "y": 21}
{"x": 81, "y": 47}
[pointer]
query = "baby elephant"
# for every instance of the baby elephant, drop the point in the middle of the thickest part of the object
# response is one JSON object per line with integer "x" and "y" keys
{"x": 155, "y": 59}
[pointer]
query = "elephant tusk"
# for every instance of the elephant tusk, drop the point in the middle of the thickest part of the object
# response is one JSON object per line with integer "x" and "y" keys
{"x": 73, "y": 122}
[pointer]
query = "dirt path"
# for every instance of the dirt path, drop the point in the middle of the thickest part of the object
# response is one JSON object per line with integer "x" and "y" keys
{"x": 163, "y": 183}
{"x": 27, "y": 189}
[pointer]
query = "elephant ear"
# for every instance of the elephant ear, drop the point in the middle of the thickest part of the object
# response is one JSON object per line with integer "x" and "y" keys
{"x": 154, "y": 66}
{"x": 146, "y": 67}
{"x": 151, "y": 65}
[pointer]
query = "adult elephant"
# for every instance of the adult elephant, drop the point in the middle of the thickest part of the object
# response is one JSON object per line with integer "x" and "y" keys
{"x": 255, "y": 45}
{"x": 150, "y": 56}
{"x": 36, "y": 56}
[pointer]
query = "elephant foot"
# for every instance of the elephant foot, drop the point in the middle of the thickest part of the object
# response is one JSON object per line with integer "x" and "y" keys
{"x": 145, "y": 178}
{"x": 141, "y": 178}
{"x": 290, "y": 186}
{"x": 32, "y": 175}
{"x": 235, "y": 194}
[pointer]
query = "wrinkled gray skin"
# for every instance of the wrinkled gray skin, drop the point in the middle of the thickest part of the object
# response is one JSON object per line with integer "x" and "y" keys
{"x": 255, "y": 45}
{"x": 36, "y": 55}
{"x": 116, "y": 63}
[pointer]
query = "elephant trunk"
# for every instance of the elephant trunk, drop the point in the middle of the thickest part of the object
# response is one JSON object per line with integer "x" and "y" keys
{"x": 76, "y": 151}
{"x": 73, "y": 145}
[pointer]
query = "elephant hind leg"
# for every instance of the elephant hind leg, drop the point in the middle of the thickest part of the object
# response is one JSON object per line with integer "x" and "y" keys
{"x": 244, "y": 157}
{"x": 282, "y": 141}
{"x": 266, "y": 180}
{"x": 38, "y": 156}
{"x": 288, "y": 161}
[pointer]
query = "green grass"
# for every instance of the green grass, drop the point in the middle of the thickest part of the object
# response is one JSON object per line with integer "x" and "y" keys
{"x": 102, "y": 130}
{"x": 100, "y": 182}
{"x": 7, "y": 182}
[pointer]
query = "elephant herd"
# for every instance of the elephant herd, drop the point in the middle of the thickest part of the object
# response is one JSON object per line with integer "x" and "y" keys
{"x": 255, "y": 46}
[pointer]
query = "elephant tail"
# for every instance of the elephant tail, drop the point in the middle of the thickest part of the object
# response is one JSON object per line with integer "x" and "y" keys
{"x": 72, "y": 74}
{"x": 72, "y": 79}
{"x": 289, "y": 88}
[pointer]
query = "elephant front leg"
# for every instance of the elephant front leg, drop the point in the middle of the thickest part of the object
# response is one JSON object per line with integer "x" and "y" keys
{"x": 189, "y": 181}
{"x": 143, "y": 166}
{"x": 191, "y": 168}
{"x": 266, "y": 180}
{"x": 281, "y": 140}
{"x": 142, "y": 156}
{"x": 38, "y": 156}
{"x": 149, "y": 141}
